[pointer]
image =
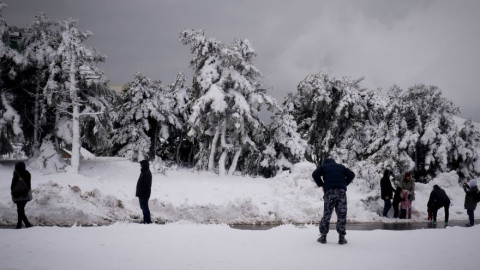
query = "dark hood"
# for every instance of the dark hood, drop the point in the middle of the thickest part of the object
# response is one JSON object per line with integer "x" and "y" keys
{"x": 20, "y": 166}
{"x": 144, "y": 165}
{"x": 329, "y": 161}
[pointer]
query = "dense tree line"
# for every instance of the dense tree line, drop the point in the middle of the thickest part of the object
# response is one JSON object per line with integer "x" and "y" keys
{"x": 53, "y": 96}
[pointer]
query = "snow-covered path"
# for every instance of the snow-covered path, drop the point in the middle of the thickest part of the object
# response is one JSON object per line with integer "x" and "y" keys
{"x": 193, "y": 246}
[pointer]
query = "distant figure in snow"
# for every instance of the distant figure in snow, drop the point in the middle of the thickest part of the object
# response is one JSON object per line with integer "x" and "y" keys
{"x": 21, "y": 192}
{"x": 334, "y": 178}
{"x": 408, "y": 183}
{"x": 438, "y": 199}
{"x": 470, "y": 190}
{"x": 386, "y": 192}
{"x": 396, "y": 202}
{"x": 405, "y": 204}
{"x": 144, "y": 189}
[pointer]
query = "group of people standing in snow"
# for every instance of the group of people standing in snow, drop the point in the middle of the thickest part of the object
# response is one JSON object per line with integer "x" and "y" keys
{"x": 404, "y": 194}
{"x": 331, "y": 176}
{"x": 334, "y": 179}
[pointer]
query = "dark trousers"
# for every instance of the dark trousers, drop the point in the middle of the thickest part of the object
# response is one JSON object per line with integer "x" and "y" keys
{"x": 145, "y": 210}
{"x": 435, "y": 210}
{"x": 334, "y": 199}
{"x": 396, "y": 210}
{"x": 471, "y": 216}
{"x": 21, "y": 214}
{"x": 387, "y": 206}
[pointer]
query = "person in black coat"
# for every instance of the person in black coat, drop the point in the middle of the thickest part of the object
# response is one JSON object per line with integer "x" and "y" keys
{"x": 144, "y": 189}
{"x": 397, "y": 199}
{"x": 470, "y": 189}
{"x": 334, "y": 178}
{"x": 386, "y": 192}
{"x": 438, "y": 199}
{"x": 20, "y": 190}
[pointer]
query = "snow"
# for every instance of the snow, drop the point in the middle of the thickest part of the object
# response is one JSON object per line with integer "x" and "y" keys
{"x": 197, "y": 207}
{"x": 104, "y": 193}
{"x": 197, "y": 246}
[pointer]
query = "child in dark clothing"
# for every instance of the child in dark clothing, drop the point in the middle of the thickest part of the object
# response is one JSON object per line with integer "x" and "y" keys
{"x": 396, "y": 202}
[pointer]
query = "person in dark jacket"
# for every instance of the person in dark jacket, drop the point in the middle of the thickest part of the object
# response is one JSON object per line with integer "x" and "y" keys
{"x": 334, "y": 178}
{"x": 144, "y": 189}
{"x": 20, "y": 190}
{"x": 470, "y": 190}
{"x": 397, "y": 199}
{"x": 386, "y": 192}
{"x": 438, "y": 199}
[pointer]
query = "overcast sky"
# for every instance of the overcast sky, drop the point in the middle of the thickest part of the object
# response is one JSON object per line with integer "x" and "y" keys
{"x": 385, "y": 41}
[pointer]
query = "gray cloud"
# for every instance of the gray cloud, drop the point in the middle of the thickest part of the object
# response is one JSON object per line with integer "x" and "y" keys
{"x": 387, "y": 42}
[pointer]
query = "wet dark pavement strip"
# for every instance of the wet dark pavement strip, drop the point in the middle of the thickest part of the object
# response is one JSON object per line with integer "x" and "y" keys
{"x": 391, "y": 226}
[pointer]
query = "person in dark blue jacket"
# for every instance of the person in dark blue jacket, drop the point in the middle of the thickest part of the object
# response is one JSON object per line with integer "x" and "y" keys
{"x": 438, "y": 199}
{"x": 144, "y": 189}
{"x": 334, "y": 178}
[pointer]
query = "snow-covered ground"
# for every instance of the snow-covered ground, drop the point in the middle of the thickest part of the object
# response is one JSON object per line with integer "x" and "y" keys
{"x": 197, "y": 246}
{"x": 104, "y": 193}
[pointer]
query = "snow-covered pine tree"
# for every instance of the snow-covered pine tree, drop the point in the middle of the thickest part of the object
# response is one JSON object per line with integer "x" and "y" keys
{"x": 467, "y": 147}
{"x": 329, "y": 113}
{"x": 73, "y": 71}
{"x": 430, "y": 131}
{"x": 138, "y": 117}
{"x": 285, "y": 145}
{"x": 229, "y": 99}
{"x": 181, "y": 95}
{"x": 39, "y": 44}
{"x": 10, "y": 130}
{"x": 98, "y": 128}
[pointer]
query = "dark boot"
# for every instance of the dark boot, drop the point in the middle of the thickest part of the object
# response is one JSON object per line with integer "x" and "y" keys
{"x": 342, "y": 240}
{"x": 322, "y": 239}
{"x": 19, "y": 225}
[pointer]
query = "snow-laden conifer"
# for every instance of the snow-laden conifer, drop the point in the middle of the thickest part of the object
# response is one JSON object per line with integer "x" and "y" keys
{"x": 228, "y": 95}
{"x": 10, "y": 126}
{"x": 74, "y": 71}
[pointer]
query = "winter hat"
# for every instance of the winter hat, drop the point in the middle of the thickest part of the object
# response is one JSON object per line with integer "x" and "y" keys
{"x": 472, "y": 182}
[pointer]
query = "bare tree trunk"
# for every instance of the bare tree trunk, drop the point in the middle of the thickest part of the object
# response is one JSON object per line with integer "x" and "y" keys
{"x": 233, "y": 166}
{"x": 36, "y": 121}
{"x": 75, "y": 159}
{"x": 211, "y": 160}
{"x": 57, "y": 119}
{"x": 179, "y": 146}
{"x": 221, "y": 163}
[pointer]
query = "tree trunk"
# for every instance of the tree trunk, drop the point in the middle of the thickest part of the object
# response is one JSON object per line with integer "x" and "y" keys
{"x": 211, "y": 160}
{"x": 233, "y": 166}
{"x": 221, "y": 163}
{"x": 75, "y": 159}
{"x": 179, "y": 146}
{"x": 36, "y": 121}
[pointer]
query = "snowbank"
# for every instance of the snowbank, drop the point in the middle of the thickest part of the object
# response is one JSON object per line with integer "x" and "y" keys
{"x": 104, "y": 193}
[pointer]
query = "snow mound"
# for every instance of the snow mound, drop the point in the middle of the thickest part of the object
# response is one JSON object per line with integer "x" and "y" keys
{"x": 446, "y": 180}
